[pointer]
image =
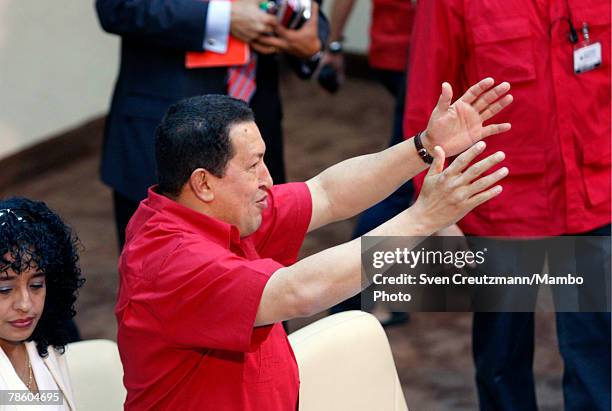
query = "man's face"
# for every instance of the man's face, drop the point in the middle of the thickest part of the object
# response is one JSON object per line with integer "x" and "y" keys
{"x": 241, "y": 194}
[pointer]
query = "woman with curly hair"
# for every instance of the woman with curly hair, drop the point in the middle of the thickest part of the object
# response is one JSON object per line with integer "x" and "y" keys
{"x": 39, "y": 278}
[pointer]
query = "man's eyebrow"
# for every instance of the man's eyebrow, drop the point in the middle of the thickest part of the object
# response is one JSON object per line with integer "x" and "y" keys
{"x": 38, "y": 275}
{"x": 257, "y": 156}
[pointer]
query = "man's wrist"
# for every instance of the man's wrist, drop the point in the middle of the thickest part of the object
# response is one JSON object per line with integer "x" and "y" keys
{"x": 419, "y": 221}
{"x": 425, "y": 139}
{"x": 422, "y": 150}
{"x": 335, "y": 47}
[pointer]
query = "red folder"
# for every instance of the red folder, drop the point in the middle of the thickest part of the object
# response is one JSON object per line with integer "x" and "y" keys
{"x": 237, "y": 54}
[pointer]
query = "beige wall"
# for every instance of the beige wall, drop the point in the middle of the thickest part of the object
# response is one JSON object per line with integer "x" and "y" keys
{"x": 57, "y": 69}
{"x": 356, "y": 31}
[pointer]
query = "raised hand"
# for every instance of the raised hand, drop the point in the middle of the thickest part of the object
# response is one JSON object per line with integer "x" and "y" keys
{"x": 449, "y": 194}
{"x": 457, "y": 126}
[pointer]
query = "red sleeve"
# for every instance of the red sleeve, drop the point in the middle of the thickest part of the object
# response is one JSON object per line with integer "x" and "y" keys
{"x": 209, "y": 298}
{"x": 285, "y": 223}
{"x": 436, "y": 53}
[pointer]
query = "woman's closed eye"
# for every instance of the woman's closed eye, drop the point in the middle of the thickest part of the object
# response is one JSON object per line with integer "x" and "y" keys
{"x": 37, "y": 285}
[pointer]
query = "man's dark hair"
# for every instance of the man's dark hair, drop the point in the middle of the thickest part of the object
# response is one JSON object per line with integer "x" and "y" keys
{"x": 33, "y": 236}
{"x": 194, "y": 133}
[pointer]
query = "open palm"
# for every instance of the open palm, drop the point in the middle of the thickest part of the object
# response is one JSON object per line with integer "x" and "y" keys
{"x": 455, "y": 127}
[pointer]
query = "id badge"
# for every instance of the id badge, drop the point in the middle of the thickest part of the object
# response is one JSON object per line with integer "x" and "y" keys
{"x": 587, "y": 58}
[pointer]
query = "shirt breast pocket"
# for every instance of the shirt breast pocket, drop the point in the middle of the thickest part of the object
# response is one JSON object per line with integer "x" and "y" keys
{"x": 504, "y": 50}
{"x": 597, "y": 18}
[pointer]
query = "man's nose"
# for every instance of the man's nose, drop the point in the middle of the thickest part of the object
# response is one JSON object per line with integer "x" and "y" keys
{"x": 265, "y": 179}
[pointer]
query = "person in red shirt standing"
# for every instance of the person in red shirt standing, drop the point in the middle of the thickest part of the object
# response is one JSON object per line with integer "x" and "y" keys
{"x": 208, "y": 271}
{"x": 559, "y": 156}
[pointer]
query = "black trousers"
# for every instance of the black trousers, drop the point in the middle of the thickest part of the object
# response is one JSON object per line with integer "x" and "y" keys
{"x": 503, "y": 342}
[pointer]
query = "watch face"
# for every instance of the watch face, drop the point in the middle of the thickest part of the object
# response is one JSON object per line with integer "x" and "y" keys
{"x": 335, "y": 47}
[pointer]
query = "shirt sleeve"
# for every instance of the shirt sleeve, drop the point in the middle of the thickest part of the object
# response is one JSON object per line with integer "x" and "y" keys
{"x": 284, "y": 223}
{"x": 436, "y": 55}
{"x": 217, "y": 26}
{"x": 208, "y": 298}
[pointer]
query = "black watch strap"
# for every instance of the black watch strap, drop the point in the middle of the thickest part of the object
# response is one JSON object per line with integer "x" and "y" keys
{"x": 422, "y": 151}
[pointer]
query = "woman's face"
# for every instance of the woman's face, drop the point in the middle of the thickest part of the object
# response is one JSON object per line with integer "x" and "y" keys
{"x": 22, "y": 299}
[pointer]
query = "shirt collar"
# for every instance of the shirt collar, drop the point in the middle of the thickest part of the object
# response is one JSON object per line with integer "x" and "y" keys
{"x": 192, "y": 221}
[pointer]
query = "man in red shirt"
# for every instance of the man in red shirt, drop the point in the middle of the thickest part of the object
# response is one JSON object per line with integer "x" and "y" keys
{"x": 559, "y": 155}
{"x": 208, "y": 270}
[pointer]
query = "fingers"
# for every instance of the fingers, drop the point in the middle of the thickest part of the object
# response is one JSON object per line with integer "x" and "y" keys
{"x": 495, "y": 108}
{"x": 462, "y": 161}
{"x": 261, "y": 49}
{"x": 247, "y": 21}
{"x": 446, "y": 196}
{"x": 314, "y": 14}
{"x": 265, "y": 23}
{"x": 494, "y": 129}
{"x": 283, "y": 32}
{"x": 487, "y": 181}
{"x": 480, "y": 198}
{"x": 491, "y": 96}
{"x": 314, "y": 11}
{"x": 480, "y": 167}
{"x": 476, "y": 90}
{"x": 303, "y": 42}
{"x": 272, "y": 41}
{"x": 310, "y": 24}
{"x": 445, "y": 97}
{"x": 438, "y": 164}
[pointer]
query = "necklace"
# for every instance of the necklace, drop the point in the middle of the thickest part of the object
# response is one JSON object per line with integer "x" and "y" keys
{"x": 28, "y": 367}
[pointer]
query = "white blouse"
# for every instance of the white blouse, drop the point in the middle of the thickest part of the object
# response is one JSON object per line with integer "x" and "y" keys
{"x": 45, "y": 380}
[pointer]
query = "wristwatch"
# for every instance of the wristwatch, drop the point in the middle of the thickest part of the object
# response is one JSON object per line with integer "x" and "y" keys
{"x": 335, "y": 47}
{"x": 421, "y": 150}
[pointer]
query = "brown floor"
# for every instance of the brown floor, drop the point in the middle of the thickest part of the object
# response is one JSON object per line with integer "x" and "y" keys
{"x": 432, "y": 352}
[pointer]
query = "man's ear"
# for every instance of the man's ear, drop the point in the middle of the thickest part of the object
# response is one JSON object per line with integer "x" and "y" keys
{"x": 200, "y": 184}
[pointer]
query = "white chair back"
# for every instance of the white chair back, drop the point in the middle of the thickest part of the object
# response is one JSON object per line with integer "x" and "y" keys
{"x": 96, "y": 375}
{"x": 345, "y": 363}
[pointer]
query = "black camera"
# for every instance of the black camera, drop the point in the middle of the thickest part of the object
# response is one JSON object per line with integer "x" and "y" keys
{"x": 328, "y": 78}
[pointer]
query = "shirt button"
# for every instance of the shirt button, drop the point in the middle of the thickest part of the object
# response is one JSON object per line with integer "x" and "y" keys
{"x": 211, "y": 42}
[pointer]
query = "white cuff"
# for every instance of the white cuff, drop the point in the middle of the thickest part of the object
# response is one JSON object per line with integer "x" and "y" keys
{"x": 217, "y": 26}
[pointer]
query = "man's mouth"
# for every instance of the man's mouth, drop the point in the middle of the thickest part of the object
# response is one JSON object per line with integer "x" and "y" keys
{"x": 263, "y": 202}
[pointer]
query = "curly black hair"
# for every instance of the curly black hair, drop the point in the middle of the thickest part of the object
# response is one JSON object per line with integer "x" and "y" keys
{"x": 31, "y": 235}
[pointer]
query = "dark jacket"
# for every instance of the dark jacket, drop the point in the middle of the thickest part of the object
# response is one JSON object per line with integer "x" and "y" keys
{"x": 155, "y": 34}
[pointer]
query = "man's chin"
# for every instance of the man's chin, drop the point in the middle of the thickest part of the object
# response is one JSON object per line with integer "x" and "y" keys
{"x": 254, "y": 226}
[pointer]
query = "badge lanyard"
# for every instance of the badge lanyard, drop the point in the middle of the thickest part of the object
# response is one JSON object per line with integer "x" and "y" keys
{"x": 587, "y": 54}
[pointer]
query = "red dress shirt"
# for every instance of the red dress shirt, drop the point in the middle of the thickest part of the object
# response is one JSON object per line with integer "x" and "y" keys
{"x": 189, "y": 292}
{"x": 390, "y": 34}
{"x": 558, "y": 150}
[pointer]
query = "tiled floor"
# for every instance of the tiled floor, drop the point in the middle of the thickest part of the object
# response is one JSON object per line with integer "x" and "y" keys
{"x": 432, "y": 352}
